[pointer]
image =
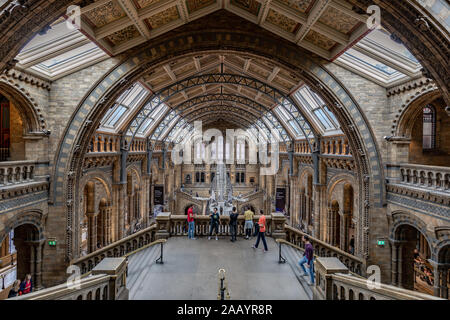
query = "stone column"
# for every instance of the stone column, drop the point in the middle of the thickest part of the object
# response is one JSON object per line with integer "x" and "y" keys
{"x": 39, "y": 258}
{"x": 394, "y": 261}
{"x": 92, "y": 231}
{"x": 437, "y": 280}
{"x": 444, "y": 288}
{"x": 345, "y": 226}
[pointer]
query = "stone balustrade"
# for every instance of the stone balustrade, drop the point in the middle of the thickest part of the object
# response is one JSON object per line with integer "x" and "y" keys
{"x": 323, "y": 249}
{"x": 176, "y": 225}
{"x": 17, "y": 172}
{"x": 107, "y": 282}
{"x": 336, "y": 145}
{"x": 117, "y": 249}
{"x": 429, "y": 177}
{"x": 334, "y": 282}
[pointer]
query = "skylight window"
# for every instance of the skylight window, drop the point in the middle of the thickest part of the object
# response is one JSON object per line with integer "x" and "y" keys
{"x": 314, "y": 104}
{"x": 115, "y": 116}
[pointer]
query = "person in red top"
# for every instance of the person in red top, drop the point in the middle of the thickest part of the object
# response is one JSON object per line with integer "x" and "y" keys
{"x": 26, "y": 286}
{"x": 191, "y": 223}
{"x": 261, "y": 233}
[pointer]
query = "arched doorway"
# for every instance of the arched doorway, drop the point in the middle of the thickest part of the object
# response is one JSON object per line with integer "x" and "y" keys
{"x": 12, "y": 143}
{"x": 21, "y": 250}
{"x": 411, "y": 256}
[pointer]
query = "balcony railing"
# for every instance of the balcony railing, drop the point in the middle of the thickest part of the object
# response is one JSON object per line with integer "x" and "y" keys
{"x": 429, "y": 177}
{"x": 107, "y": 282}
{"x": 16, "y": 172}
{"x": 323, "y": 249}
{"x": 116, "y": 249}
{"x": 333, "y": 282}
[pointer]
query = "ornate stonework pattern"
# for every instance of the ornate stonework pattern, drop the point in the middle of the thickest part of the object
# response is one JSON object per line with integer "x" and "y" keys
{"x": 139, "y": 4}
{"x": 105, "y": 14}
{"x": 337, "y": 20}
{"x": 300, "y": 5}
{"x": 123, "y": 35}
{"x": 282, "y": 21}
{"x": 320, "y": 40}
{"x": 251, "y": 6}
{"x": 195, "y": 5}
{"x": 162, "y": 18}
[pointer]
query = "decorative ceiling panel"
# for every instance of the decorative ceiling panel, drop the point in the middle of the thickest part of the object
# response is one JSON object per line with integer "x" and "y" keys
{"x": 320, "y": 40}
{"x": 139, "y": 4}
{"x": 123, "y": 35}
{"x": 303, "y": 6}
{"x": 282, "y": 21}
{"x": 195, "y": 5}
{"x": 250, "y": 6}
{"x": 162, "y": 18}
{"x": 105, "y": 14}
{"x": 338, "y": 20}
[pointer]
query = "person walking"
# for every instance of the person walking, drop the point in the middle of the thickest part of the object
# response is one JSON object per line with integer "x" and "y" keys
{"x": 214, "y": 224}
{"x": 191, "y": 223}
{"x": 248, "y": 226}
{"x": 14, "y": 290}
{"x": 233, "y": 224}
{"x": 261, "y": 233}
{"x": 26, "y": 286}
{"x": 261, "y": 213}
{"x": 308, "y": 258}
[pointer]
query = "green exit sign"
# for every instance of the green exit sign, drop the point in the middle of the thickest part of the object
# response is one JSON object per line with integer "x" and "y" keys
{"x": 52, "y": 242}
{"x": 381, "y": 243}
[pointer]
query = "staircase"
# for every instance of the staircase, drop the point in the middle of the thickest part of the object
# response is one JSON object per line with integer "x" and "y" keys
{"x": 139, "y": 266}
{"x": 292, "y": 257}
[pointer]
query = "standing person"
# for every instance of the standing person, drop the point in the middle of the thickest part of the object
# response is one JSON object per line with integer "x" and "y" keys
{"x": 352, "y": 245}
{"x": 308, "y": 258}
{"x": 26, "y": 286}
{"x": 261, "y": 232}
{"x": 248, "y": 226}
{"x": 233, "y": 224}
{"x": 191, "y": 223}
{"x": 14, "y": 290}
{"x": 261, "y": 213}
{"x": 214, "y": 224}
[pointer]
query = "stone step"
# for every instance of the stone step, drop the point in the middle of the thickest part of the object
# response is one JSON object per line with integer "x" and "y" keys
{"x": 140, "y": 263}
{"x": 292, "y": 257}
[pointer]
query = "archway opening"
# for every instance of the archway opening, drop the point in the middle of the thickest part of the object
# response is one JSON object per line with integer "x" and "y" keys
{"x": 12, "y": 143}
{"x": 415, "y": 272}
{"x": 428, "y": 135}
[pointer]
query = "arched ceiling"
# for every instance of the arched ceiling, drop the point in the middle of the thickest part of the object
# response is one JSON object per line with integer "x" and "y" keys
{"x": 184, "y": 85}
{"x": 325, "y": 27}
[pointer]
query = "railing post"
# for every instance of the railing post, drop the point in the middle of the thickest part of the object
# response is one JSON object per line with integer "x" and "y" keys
{"x": 163, "y": 225}
{"x": 116, "y": 268}
{"x": 281, "y": 259}
{"x": 160, "y": 259}
{"x": 325, "y": 267}
{"x": 278, "y": 222}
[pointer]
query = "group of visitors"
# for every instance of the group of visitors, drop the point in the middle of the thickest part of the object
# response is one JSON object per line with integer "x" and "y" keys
{"x": 260, "y": 230}
{"x": 423, "y": 271}
{"x": 21, "y": 287}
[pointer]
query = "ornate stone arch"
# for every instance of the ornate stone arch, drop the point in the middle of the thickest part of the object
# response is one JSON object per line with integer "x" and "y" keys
{"x": 400, "y": 218}
{"x": 29, "y": 110}
{"x": 33, "y": 217}
{"x": 261, "y": 45}
{"x": 102, "y": 178}
{"x": 411, "y": 109}
{"x": 335, "y": 180}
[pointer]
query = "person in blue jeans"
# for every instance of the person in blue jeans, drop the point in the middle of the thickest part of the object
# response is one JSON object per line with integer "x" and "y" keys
{"x": 191, "y": 223}
{"x": 308, "y": 258}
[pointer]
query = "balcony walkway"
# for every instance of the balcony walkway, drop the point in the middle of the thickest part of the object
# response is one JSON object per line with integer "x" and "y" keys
{"x": 190, "y": 271}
